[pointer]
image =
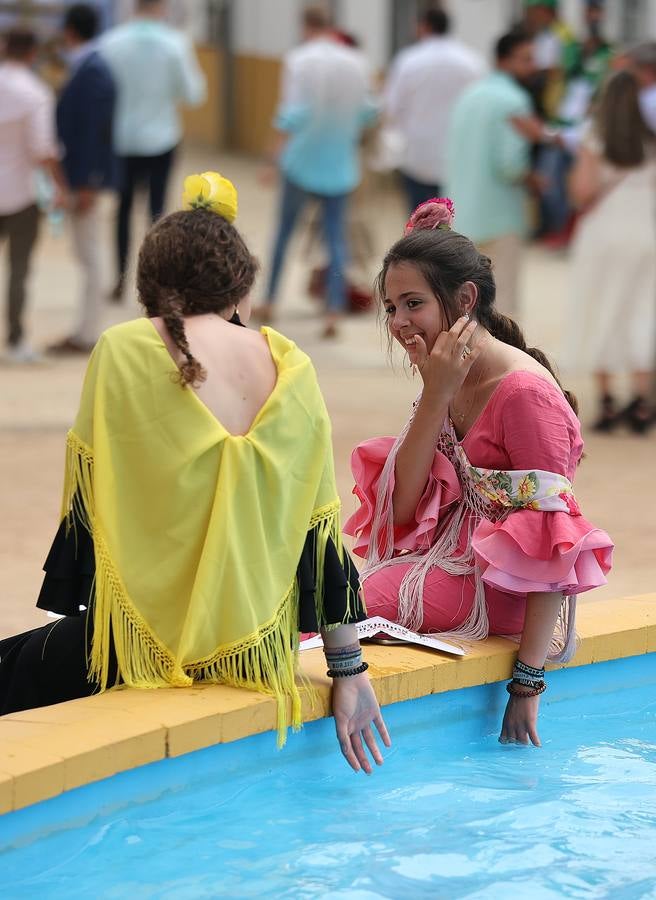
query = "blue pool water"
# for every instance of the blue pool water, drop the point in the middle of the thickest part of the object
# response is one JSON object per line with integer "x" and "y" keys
{"x": 451, "y": 814}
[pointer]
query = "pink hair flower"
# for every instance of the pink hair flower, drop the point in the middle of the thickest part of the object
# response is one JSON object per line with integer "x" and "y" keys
{"x": 438, "y": 212}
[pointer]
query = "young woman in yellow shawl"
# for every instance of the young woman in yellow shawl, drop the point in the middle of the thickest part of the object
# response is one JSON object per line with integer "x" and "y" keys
{"x": 200, "y": 522}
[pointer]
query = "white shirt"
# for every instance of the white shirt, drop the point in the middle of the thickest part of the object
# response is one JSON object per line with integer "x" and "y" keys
{"x": 547, "y": 50}
{"x": 424, "y": 83}
{"x": 322, "y": 74}
{"x": 155, "y": 69}
{"x": 647, "y": 100}
{"x": 325, "y": 103}
{"x": 27, "y": 134}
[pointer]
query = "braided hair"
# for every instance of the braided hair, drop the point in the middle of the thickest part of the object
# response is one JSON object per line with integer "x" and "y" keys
{"x": 192, "y": 262}
{"x": 447, "y": 259}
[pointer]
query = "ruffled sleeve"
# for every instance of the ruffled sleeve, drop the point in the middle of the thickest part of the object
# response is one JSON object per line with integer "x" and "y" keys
{"x": 533, "y": 551}
{"x": 442, "y": 489}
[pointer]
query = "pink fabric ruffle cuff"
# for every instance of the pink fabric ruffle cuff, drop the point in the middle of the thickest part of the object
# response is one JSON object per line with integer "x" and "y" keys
{"x": 442, "y": 489}
{"x": 532, "y": 551}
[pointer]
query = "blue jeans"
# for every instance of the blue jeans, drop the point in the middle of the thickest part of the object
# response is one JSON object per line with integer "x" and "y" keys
{"x": 418, "y": 191}
{"x": 554, "y": 163}
{"x": 292, "y": 201}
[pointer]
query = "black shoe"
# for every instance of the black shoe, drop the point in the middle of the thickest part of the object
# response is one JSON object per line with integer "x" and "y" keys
{"x": 638, "y": 415}
{"x": 608, "y": 416}
{"x": 116, "y": 294}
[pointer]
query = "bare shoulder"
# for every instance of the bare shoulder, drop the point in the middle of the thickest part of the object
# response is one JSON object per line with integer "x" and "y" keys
{"x": 519, "y": 361}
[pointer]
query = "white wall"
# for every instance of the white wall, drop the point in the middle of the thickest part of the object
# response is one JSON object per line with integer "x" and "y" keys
{"x": 265, "y": 27}
{"x": 368, "y": 20}
{"x": 480, "y": 22}
{"x": 650, "y": 24}
{"x": 271, "y": 27}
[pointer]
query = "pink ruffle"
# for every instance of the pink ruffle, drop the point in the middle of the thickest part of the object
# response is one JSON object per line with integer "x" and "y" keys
{"x": 442, "y": 489}
{"x": 533, "y": 551}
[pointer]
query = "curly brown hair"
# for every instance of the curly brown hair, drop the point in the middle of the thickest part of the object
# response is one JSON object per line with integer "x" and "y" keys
{"x": 447, "y": 259}
{"x": 192, "y": 262}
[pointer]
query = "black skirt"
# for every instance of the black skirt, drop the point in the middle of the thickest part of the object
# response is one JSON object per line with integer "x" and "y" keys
{"x": 49, "y": 664}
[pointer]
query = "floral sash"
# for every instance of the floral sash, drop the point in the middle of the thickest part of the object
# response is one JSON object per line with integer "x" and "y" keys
{"x": 490, "y": 493}
{"x": 509, "y": 490}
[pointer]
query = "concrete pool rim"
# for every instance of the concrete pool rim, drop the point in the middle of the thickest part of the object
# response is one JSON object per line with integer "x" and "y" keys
{"x": 47, "y": 751}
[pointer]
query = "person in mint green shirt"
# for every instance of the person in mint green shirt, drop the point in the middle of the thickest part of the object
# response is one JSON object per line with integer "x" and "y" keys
{"x": 489, "y": 163}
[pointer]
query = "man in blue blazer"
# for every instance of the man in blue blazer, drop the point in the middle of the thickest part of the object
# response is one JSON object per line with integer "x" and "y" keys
{"x": 84, "y": 124}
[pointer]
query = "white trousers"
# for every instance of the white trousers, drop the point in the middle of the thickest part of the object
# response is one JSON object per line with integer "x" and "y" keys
{"x": 85, "y": 229}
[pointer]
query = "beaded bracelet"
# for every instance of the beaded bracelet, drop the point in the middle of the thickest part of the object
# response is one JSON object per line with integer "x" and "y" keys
{"x": 345, "y": 661}
{"x": 522, "y": 669}
{"x": 539, "y": 688}
{"x": 345, "y": 673}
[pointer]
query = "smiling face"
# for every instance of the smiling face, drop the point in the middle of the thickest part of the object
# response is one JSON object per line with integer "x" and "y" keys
{"x": 411, "y": 308}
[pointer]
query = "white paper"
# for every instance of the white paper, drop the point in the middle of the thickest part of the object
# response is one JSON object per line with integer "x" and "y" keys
{"x": 378, "y": 625}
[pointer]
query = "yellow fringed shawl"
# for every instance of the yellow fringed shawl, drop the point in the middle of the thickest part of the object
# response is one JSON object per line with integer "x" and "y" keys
{"x": 198, "y": 533}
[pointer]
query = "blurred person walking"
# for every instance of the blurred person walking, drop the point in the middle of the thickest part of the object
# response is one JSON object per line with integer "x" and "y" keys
{"x": 155, "y": 70}
{"x": 27, "y": 142}
{"x": 612, "y": 319}
{"x": 489, "y": 162}
{"x": 325, "y": 106}
{"x": 557, "y": 54}
{"x": 84, "y": 125}
{"x": 424, "y": 83}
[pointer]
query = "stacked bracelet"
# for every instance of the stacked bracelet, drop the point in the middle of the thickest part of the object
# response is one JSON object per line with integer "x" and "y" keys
{"x": 345, "y": 661}
{"x": 540, "y": 688}
{"x": 346, "y": 672}
{"x": 527, "y": 681}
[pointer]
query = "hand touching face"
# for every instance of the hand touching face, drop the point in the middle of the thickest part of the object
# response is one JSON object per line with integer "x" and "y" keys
{"x": 411, "y": 308}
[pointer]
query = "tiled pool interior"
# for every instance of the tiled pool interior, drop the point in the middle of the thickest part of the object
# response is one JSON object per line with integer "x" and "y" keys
{"x": 451, "y": 814}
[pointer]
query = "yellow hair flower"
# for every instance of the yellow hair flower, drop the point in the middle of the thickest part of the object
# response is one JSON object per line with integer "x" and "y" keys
{"x": 211, "y": 191}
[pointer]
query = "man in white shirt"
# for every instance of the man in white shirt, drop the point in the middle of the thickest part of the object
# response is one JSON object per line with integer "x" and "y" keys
{"x": 424, "y": 83}
{"x": 155, "y": 70}
{"x": 324, "y": 106}
{"x": 27, "y": 142}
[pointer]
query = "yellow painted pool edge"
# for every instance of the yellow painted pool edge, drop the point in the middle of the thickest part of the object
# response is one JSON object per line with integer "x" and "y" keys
{"x": 46, "y": 751}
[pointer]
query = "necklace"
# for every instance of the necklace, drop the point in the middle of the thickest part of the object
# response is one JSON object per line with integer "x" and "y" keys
{"x": 460, "y": 416}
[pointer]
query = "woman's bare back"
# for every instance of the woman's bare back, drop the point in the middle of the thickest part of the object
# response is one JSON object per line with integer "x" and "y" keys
{"x": 241, "y": 373}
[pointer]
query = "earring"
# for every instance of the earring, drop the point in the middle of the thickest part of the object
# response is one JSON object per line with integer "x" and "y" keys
{"x": 235, "y": 320}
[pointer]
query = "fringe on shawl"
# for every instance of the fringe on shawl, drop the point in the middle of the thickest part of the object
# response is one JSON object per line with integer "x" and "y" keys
{"x": 265, "y": 661}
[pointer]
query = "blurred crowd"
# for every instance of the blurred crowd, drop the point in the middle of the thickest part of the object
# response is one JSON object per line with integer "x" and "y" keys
{"x": 550, "y": 140}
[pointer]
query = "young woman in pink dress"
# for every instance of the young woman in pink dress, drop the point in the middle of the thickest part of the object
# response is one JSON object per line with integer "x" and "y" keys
{"x": 468, "y": 522}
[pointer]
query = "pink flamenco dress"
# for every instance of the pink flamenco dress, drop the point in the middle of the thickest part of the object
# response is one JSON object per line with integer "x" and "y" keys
{"x": 497, "y": 520}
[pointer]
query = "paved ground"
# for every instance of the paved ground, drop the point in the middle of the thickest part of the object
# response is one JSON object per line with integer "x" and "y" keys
{"x": 364, "y": 395}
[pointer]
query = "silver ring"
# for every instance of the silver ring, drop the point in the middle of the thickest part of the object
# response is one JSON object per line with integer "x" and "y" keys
{"x": 466, "y": 352}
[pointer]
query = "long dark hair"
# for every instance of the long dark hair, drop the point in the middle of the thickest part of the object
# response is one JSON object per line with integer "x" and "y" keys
{"x": 192, "y": 262}
{"x": 447, "y": 260}
{"x": 623, "y": 132}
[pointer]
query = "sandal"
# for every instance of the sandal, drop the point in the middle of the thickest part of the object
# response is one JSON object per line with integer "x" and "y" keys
{"x": 608, "y": 415}
{"x": 638, "y": 415}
